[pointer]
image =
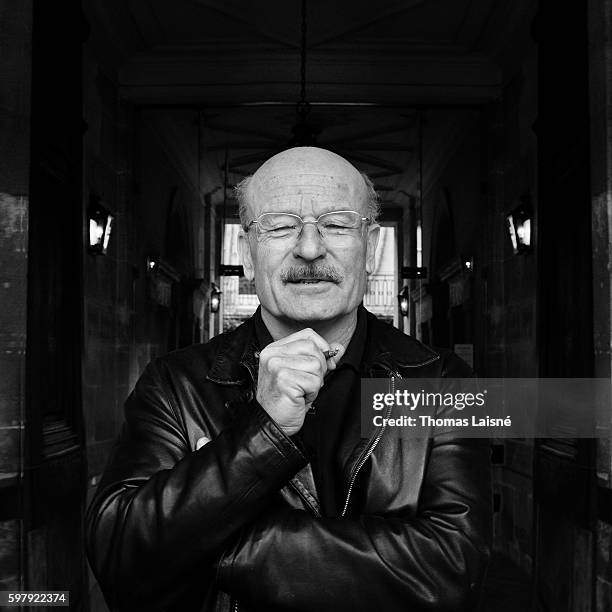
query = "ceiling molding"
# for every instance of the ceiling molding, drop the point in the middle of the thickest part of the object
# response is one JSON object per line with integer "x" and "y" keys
{"x": 281, "y": 21}
{"x": 265, "y": 76}
{"x": 147, "y": 22}
{"x": 217, "y": 95}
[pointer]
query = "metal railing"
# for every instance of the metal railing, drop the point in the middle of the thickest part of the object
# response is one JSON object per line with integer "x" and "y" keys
{"x": 233, "y": 300}
{"x": 381, "y": 291}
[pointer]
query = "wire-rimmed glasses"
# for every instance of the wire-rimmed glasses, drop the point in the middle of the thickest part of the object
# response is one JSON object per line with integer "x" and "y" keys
{"x": 334, "y": 225}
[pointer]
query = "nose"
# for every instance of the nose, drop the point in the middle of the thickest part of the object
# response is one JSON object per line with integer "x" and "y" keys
{"x": 309, "y": 244}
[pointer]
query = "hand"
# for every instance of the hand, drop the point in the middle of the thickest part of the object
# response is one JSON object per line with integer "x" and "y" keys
{"x": 291, "y": 372}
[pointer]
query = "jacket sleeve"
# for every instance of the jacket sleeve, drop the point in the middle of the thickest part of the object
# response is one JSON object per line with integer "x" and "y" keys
{"x": 435, "y": 560}
{"x": 163, "y": 513}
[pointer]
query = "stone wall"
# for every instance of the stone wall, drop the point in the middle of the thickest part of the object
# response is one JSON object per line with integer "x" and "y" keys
{"x": 15, "y": 89}
{"x": 493, "y": 167}
{"x": 507, "y": 291}
{"x": 127, "y": 167}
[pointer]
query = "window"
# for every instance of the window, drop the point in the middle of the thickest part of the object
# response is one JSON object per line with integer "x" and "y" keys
{"x": 381, "y": 292}
{"x": 239, "y": 300}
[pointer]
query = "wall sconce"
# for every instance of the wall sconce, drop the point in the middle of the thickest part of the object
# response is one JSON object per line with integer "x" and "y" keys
{"x": 215, "y": 298}
{"x": 100, "y": 226}
{"x": 152, "y": 264}
{"x": 403, "y": 298}
{"x": 468, "y": 263}
{"x": 518, "y": 222}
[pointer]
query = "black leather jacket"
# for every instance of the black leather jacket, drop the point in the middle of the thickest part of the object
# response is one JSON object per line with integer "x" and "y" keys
{"x": 236, "y": 524}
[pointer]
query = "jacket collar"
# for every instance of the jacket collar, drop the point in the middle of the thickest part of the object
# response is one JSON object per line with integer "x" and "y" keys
{"x": 386, "y": 349}
{"x": 390, "y": 349}
{"x": 236, "y": 356}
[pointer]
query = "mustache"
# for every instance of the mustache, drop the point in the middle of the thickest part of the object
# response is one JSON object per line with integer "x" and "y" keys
{"x": 311, "y": 272}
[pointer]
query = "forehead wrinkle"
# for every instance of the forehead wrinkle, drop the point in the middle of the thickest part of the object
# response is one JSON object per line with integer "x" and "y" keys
{"x": 319, "y": 194}
{"x": 320, "y": 181}
{"x": 302, "y": 208}
{"x": 304, "y": 184}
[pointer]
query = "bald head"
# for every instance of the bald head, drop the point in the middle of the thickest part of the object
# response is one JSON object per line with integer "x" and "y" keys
{"x": 304, "y": 174}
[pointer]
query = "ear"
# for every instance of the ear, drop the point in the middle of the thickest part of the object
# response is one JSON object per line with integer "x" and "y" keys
{"x": 244, "y": 252}
{"x": 371, "y": 244}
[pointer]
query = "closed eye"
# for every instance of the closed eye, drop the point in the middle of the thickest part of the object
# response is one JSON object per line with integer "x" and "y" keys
{"x": 282, "y": 228}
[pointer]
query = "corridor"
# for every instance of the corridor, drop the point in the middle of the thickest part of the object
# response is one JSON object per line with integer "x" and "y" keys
{"x": 485, "y": 129}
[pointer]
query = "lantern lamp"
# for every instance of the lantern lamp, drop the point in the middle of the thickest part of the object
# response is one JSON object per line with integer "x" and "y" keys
{"x": 100, "y": 226}
{"x": 215, "y": 298}
{"x": 404, "y": 301}
{"x": 518, "y": 222}
{"x": 152, "y": 264}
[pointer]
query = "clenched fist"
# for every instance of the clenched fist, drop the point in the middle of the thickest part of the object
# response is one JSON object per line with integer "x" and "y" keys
{"x": 291, "y": 372}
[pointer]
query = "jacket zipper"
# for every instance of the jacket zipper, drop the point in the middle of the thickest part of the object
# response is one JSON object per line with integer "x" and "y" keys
{"x": 367, "y": 452}
{"x": 364, "y": 457}
{"x": 374, "y": 443}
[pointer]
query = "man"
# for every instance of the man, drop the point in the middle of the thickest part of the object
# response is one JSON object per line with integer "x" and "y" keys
{"x": 241, "y": 481}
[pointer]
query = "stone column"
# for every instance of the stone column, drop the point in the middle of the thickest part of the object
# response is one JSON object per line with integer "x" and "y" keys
{"x": 15, "y": 93}
{"x": 600, "y": 96}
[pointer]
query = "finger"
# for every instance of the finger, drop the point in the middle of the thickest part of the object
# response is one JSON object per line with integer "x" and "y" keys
{"x": 305, "y": 334}
{"x": 298, "y": 383}
{"x": 309, "y": 398}
{"x": 305, "y": 363}
{"x": 303, "y": 346}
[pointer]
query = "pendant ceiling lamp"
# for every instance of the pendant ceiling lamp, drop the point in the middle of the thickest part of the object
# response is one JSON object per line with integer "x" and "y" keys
{"x": 304, "y": 134}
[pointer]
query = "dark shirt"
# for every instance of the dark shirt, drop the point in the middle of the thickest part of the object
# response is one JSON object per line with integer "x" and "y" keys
{"x": 333, "y": 421}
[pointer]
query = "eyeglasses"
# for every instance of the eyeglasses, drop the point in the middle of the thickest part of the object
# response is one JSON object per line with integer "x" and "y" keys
{"x": 335, "y": 225}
